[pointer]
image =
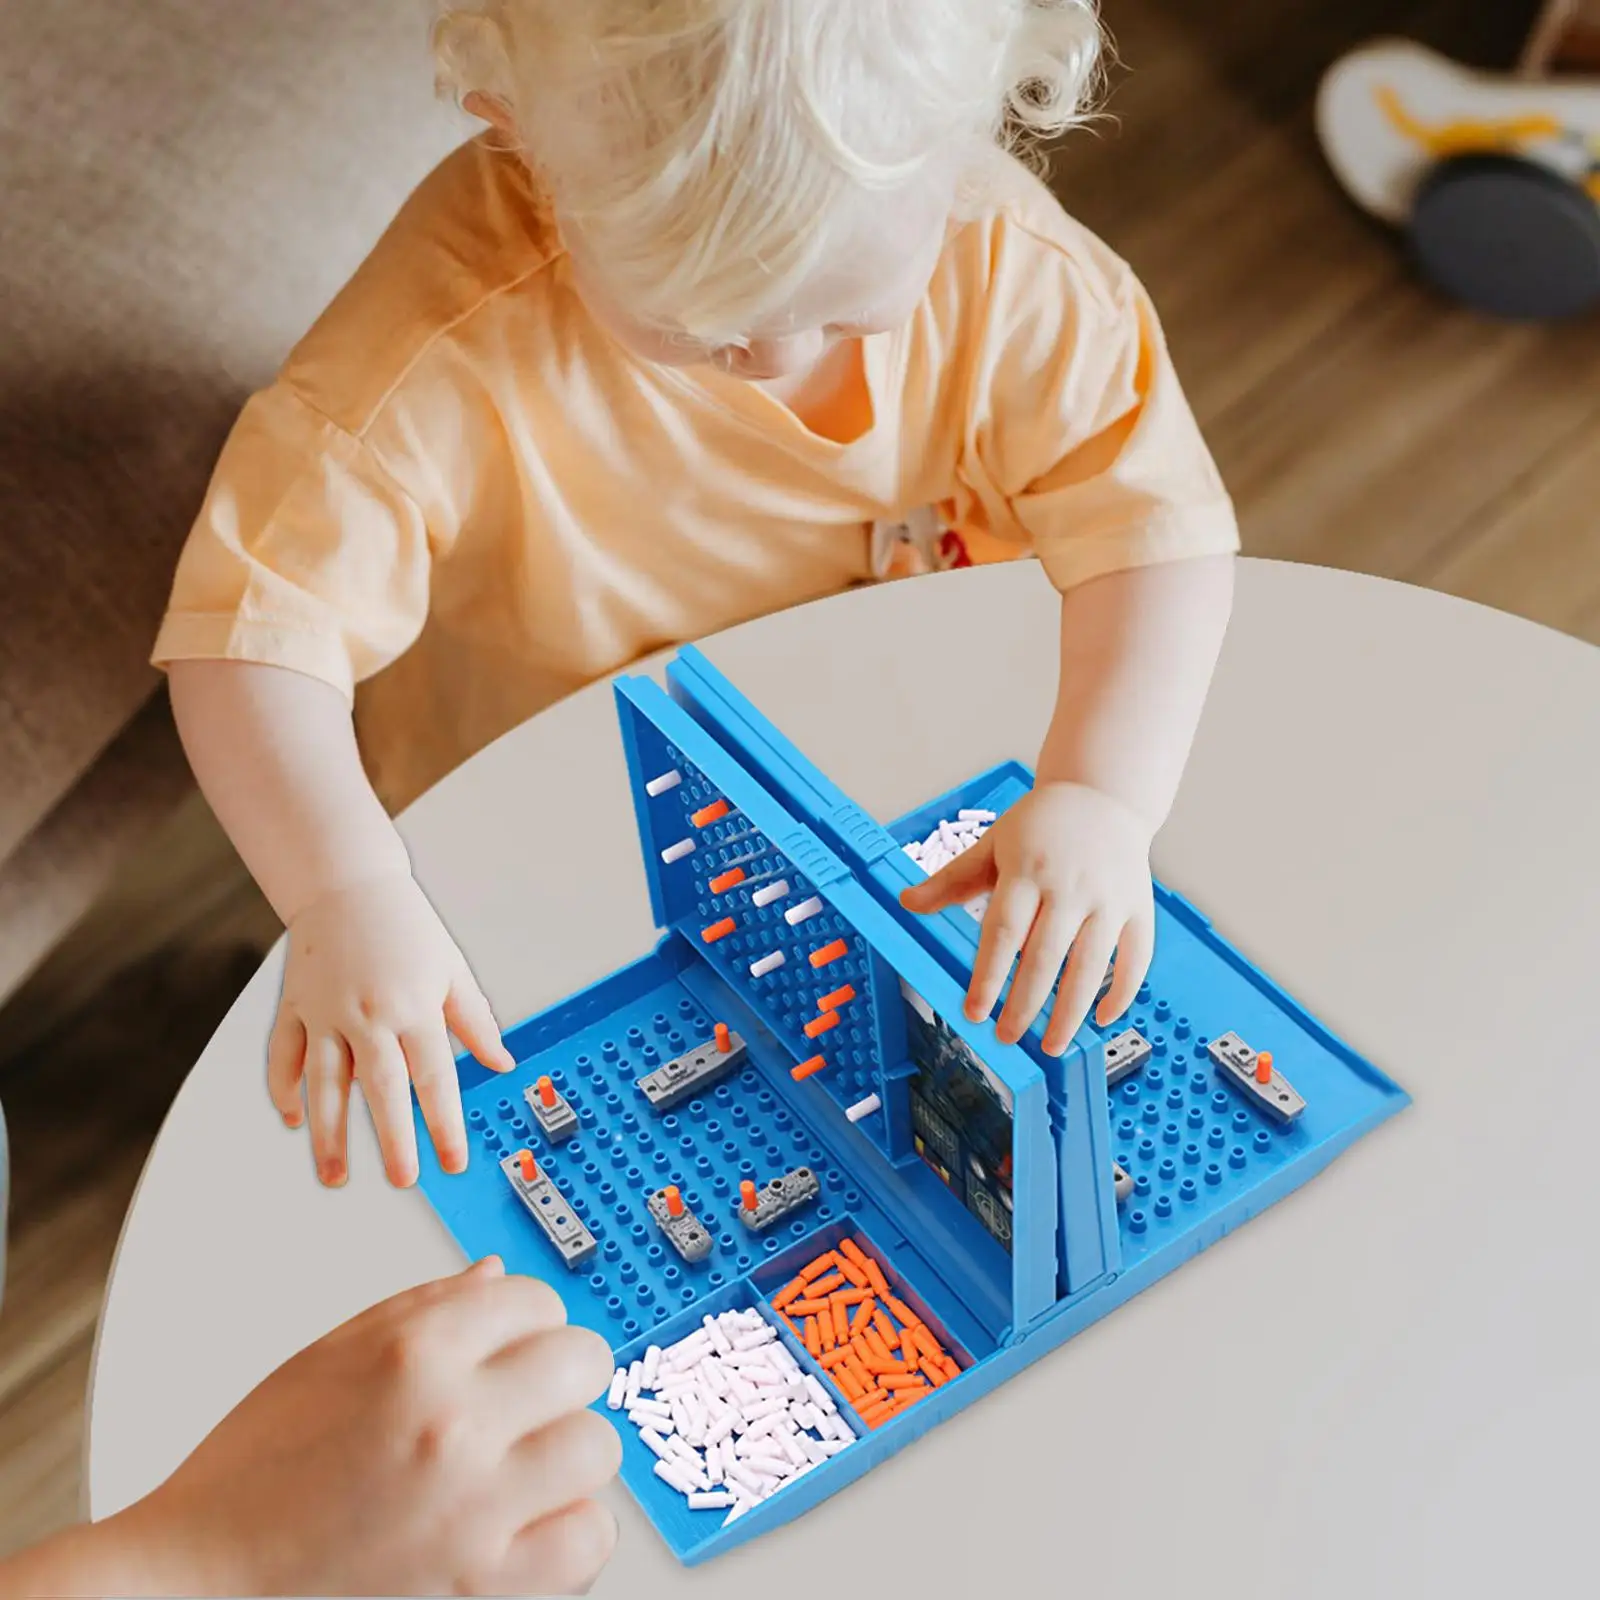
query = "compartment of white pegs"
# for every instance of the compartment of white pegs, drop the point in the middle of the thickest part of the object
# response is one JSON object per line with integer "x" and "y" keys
{"x": 953, "y": 837}
{"x": 729, "y": 1414}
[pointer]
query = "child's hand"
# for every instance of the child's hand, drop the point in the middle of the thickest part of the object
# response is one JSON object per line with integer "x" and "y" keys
{"x": 372, "y": 980}
{"x": 436, "y": 1444}
{"x": 1069, "y": 868}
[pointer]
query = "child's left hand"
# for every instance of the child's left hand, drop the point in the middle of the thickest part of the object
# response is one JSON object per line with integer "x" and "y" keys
{"x": 1069, "y": 871}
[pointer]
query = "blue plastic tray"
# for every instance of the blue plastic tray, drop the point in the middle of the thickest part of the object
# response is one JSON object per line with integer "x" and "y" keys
{"x": 1202, "y": 1159}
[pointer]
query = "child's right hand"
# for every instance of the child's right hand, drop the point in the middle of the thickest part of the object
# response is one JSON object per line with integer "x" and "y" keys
{"x": 373, "y": 980}
{"x": 436, "y": 1444}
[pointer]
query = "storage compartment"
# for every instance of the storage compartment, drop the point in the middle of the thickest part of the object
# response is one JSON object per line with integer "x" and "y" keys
{"x": 869, "y": 1333}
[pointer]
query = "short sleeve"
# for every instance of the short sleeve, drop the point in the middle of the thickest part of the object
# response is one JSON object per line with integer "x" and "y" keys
{"x": 306, "y": 553}
{"x": 1080, "y": 441}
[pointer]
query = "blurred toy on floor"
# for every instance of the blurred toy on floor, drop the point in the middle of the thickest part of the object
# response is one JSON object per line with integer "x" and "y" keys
{"x": 1495, "y": 179}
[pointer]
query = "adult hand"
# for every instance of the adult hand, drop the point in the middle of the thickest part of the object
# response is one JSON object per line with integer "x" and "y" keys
{"x": 436, "y": 1444}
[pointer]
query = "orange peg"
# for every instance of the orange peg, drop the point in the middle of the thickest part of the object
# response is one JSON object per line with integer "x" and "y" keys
{"x": 714, "y": 812}
{"x": 807, "y": 1068}
{"x": 724, "y": 1038}
{"x": 876, "y": 1345}
{"x": 850, "y": 1297}
{"x": 846, "y": 1379}
{"x": 526, "y": 1167}
{"x": 863, "y": 1315}
{"x": 1264, "y": 1067}
{"x": 815, "y": 1269}
{"x": 792, "y": 1290}
{"x": 822, "y": 1024}
{"x": 841, "y": 1323}
{"x": 825, "y": 1331}
{"x": 927, "y": 1343}
{"x": 813, "y": 1338}
{"x": 839, "y": 997}
{"x": 951, "y": 1370}
{"x": 718, "y": 930}
{"x": 873, "y": 1415}
{"x": 903, "y": 1380}
{"x": 808, "y": 1307}
{"x": 853, "y": 1366}
{"x": 879, "y": 1282}
{"x": 747, "y": 1195}
{"x": 850, "y": 1249}
{"x": 829, "y": 1359}
{"x": 724, "y": 881}
{"x": 936, "y": 1375}
{"x": 674, "y": 1201}
{"x": 824, "y": 1286}
{"x": 875, "y": 1396}
{"x": 886, "y": 1330}
{"x": 909, "y": 1397}
{"x": 547, "y": 1093}
{"x": 903, "y": 1313}
{"x": 829, "y": 952}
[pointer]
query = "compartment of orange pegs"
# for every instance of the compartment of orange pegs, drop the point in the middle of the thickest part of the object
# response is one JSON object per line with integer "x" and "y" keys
{"x": 875, "y": 1340}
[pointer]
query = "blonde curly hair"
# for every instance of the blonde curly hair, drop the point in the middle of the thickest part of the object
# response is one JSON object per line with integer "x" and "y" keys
{"x": 705, "y": 149}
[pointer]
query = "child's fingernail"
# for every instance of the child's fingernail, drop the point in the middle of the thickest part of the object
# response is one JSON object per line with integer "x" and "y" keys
{"x": 454, "y": 1161}
{"x": 332, "y": 1173}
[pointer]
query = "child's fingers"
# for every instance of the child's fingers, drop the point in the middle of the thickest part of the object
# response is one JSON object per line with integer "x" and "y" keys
{"x": 960, "y": 880}
{"x": 380, "y": 1067}
{"x": 433, "y": 1071}
{"x": 472, "y": 1020}
{"x": 286, "y": 1064}
{"x": 328, "y": 1099}
{"x": 1135, "y": 949}
{"x": 1086, "y": 966}
{"x": 1043, "y": 955}
{"x": 1010, "y": 915}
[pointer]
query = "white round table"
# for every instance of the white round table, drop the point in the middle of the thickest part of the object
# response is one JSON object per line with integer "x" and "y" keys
{"x": 1387, "y": 1385}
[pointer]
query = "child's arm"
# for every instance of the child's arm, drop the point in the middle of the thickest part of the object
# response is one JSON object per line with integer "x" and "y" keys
{"x": 1069, "y": 865}
{"x": 372, "y": 976}
{"x": 1080, "y": 445}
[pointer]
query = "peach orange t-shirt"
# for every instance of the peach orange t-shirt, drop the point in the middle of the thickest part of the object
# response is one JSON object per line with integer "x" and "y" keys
{"x": 464, "y": 496}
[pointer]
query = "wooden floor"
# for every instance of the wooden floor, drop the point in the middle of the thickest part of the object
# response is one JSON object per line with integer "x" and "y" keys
{"x": 1359, "y": 422}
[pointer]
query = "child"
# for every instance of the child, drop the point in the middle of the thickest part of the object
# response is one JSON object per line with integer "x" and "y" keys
{"x": 731, "y": 290}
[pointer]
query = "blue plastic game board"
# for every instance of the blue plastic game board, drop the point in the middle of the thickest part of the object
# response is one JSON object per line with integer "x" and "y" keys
{"x": 1004, "y": 1257}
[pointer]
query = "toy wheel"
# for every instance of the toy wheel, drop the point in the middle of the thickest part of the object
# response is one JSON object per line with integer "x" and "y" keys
{"x": 1508, "y": 237}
